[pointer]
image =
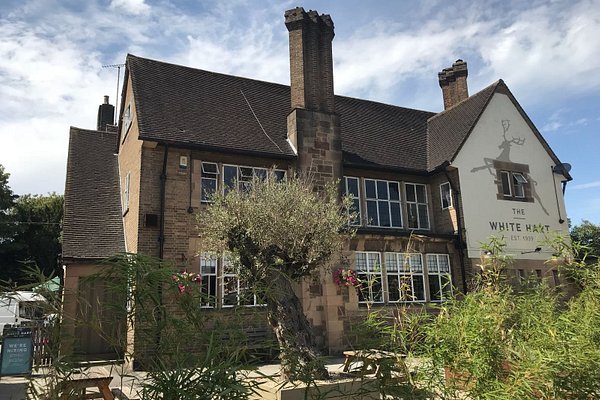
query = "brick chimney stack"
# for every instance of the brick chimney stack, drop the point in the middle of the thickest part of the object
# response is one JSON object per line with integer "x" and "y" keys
{"x": 311, "y": 60}
{"x": 106, "y": 115}
{"x": 313, "y": 127}
{"x": 453, "y": 82}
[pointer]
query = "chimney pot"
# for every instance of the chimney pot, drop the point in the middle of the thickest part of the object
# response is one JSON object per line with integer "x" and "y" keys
{"x": 105, "y": 99}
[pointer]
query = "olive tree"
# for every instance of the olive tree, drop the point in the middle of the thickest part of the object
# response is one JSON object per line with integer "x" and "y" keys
{"x": 279, "y": 233}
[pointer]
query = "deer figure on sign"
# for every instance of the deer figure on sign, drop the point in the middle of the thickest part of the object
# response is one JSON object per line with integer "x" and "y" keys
{"x": 488, "y": 163}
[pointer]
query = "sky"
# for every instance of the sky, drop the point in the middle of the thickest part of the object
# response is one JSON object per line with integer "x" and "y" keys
{"x": 52, "y": 55}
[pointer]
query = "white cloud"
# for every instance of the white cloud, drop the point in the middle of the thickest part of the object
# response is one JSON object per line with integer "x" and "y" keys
{"x": 131, "y": 6}
{"x": 51, "y": 55}
{"x": 589, "y": 185}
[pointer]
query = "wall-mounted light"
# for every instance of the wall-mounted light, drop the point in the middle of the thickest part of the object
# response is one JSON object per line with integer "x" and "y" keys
{"x": 183, "y": 162}
{"x": 536, "y": 250}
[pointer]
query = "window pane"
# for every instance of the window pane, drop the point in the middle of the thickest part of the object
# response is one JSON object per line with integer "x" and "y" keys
{"x": 352, "y": 186}
{"x": 519, "y": 178}
{"x": 209, "y": 168}
{"x": 382, "y": 190}
{"x": 404, "y": 262}
{"x": 260, "y": 173}
{"x": 394, "y": 191}
{"x": 396, "y": 215}
{"x": 376, "y": 292}
{"x": 415, "y": 263}
{"x": 246, "y": 173}
{"x": 418, "y": 288}
{"x": 446, "y": 286}
{"x": 356, "y": 210}
{"x": 384, "y": 213}
{"x": 445, "y": 195}
{"x": 208, "y": 187}
{"x": 519, "y": 181}
{"x": 434, "y": 288}
{"x": 421, "y": 196}
{"x": 230, "y": 289}
{"x": 361, "y": 262}
{"x": 410, "y": 192}
{"x": 374, "y": 263}
{"x": 279, "y": 175}
{"x": 372, "y": 213}
{"x": 394, "y": 287}
{"x": 229, "y": 177}
{"x": 413, "y": 221}
{"x": 505, "y": 183}
{"x": 370, "y": 189}
{"x": 423, "y": 216}
{"x": 391, "y": 262}
{"x": 444, "y": 263}
{"x": 432, "y": 264}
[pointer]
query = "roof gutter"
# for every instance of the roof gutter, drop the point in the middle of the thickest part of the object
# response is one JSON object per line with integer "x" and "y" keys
{"x": 218, "y": 149}
{"x": 443, "y": 167}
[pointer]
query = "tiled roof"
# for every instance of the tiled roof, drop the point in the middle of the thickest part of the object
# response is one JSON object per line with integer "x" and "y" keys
{"x": 192, "y": 107}
{"x": 189, "y": 106}
{"x": 92, "y": 227}
{"x": 449, "y": 129}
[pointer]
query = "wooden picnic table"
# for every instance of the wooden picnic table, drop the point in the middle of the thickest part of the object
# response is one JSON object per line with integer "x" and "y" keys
{"x": 80, "y": 385}
{"x": 372, "y": 361}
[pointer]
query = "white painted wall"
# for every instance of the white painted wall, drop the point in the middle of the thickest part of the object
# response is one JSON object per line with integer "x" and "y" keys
{"x": 482, "y": 209}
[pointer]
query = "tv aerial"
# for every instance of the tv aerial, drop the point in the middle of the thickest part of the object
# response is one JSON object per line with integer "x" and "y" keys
{"x": 118, "y": 67}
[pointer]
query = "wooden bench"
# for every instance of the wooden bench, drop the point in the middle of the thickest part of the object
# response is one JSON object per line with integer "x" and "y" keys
{"x": 78, "y": 386}
{"x": 372, "y": 361}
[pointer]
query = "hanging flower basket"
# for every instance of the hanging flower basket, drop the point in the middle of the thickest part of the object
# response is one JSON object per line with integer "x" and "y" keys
{"x": 185, "y": 280}
{"x": 346, "y": 277}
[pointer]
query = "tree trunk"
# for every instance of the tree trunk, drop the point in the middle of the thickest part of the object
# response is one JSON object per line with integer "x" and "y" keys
{"x": 300, "y": 359}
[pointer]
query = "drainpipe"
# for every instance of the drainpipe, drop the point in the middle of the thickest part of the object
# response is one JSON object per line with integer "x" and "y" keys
{"x": 161, "y": 244}
{"x": 163, "y": 182}
{"x": 456, "y": 196}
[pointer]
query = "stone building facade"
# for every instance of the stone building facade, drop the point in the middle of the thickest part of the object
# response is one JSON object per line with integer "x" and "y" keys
{"x": 183, "y": 133}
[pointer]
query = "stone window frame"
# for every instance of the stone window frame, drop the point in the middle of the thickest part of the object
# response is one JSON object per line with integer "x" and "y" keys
{"x": 417, "y": 203}
{"x": 375, "y": 278}
{"x": 512, "y": 171}
{"x": 390, "y": 202}
{"x": 215, "y": 276}
{"x": 448, "y": 196}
